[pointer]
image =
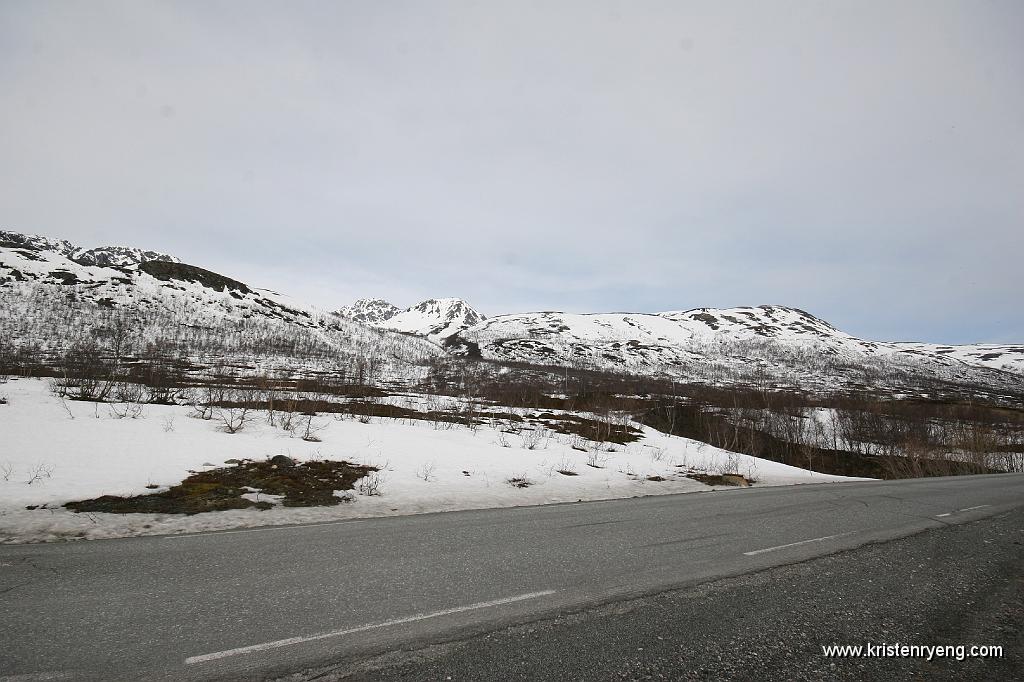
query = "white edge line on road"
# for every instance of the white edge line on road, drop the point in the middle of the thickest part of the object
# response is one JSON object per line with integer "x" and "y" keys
{"x": 946, "y": 514}
{"x": 794, "y": 544}
{"x": 362, "y": 628}
{"x": 260, "y": 530}
{"x": 980, "y": 506}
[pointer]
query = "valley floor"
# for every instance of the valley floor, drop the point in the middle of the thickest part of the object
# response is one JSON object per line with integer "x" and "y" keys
{"x": 54, "y": 451}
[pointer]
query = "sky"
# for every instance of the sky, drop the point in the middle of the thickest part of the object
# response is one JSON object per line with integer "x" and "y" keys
{"x": 863, "y": 161}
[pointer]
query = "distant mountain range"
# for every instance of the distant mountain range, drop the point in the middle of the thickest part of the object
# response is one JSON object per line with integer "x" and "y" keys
{"x": 635, "y": 341}
{"x": 769, "y": 336}
{"x": 435, "y": 318}
{"x": 704, "y": 344}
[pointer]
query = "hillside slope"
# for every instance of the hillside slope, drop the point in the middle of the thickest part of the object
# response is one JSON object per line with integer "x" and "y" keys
{"x": 52, "y": 303}
{"x": 748, "y": 344}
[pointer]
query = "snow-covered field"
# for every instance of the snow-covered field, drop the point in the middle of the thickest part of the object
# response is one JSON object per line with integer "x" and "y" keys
{"x": 52, "y": 452}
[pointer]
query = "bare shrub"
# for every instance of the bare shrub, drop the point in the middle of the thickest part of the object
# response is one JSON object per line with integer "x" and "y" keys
{"x": 566, "y": 467}
{"x": 287, "y": 413}
{"x": 84, "y": 373}
{"x": 129, "y": 401}
{"x": 127, "y": 410}
{"x": 535, "y": 439}
{"x": 426, "y": 471}
{"x": 64, "y": 404}
{"x": 233, "y": 419}
{"x": 6, "y": 469}
{"x": 596, "y": 459}
{"x": 310, "y": 429}
{"x": 203, "y": 403}
{"x": 578, "y": 442}
{"x": 520, "y": 481}
{"x": 371, "y": 483}
{"x": 38, "y": 472}
{"x": 730, "y": 465}
{"x": 233, "y": 413}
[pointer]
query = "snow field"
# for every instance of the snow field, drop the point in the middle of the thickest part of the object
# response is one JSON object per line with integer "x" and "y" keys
{"x": 54, "y": 451}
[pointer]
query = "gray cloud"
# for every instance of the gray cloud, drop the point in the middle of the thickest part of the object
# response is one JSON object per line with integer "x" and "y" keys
{"x": 860, "y": 160}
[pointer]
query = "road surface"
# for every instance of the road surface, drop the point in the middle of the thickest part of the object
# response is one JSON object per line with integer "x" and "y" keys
{"x": 262, "y": 603}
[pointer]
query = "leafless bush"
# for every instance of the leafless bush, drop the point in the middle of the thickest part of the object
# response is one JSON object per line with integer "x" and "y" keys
{"x": 513, "y": 427}
{"x": 566, "y": 467}
{"x": 730, "y": 465}
{"x": 371, "y": 483}
{"x": 234, "y": 413}
{"x": 64, "y": 404}
{"x": 535, "y": 439}
{"x": 656, "y": 454}
{"x": 578, "y": 442}
{"x": 426, "y": 471}
{"x": 596, "y": 459}
{"x": 6, "y": 469}
{"x": 38, "y": 472}
{"x": 84, "y": 373}
{"x": 233, "y": 419}
{"x": 502, "y": 439}
{"x": 310, "y": 429}
{"x": 129, "y": 401}
{"x": 204, "y": 401}
{"x": 168, "y": 423}
{"x": 126, "y": 410}
{"x": 520, "y": 481}
{"x": 467, "y": 414}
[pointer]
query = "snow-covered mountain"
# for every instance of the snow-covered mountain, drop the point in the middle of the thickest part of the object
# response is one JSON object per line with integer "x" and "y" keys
{"x": 105, "y": 256}
{"x": 637, "y": 339}
{"x": 1006, "y": 357}
{"x": 54, "y": 293}
{"x": 369, "y": 310}
{"x": 435, "y": 318}
{"x": 728, "y": 344}
{"x": 49, "y": 302}
{"x": 713, "y": 345}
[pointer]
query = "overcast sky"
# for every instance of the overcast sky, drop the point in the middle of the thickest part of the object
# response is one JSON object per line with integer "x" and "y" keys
{"x": 861, "y": 160}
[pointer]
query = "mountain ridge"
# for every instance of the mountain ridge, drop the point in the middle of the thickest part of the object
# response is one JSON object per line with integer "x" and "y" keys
{"x": 711, "y": 345}
{"x": 50, "y": 305}
{"x": 104, "y": 256}
{"x": 433, "y": 318}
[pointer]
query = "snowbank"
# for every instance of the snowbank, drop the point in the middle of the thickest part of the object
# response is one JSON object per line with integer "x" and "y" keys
{"x": 52, "y": 452}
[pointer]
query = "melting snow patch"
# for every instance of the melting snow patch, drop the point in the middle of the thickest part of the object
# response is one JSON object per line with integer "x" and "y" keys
{"x": 82, "y": 453}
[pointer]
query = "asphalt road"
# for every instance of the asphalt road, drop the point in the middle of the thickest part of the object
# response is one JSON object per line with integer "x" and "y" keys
{"x": 960, "y": 585}
{"x": 269, "y": 602}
